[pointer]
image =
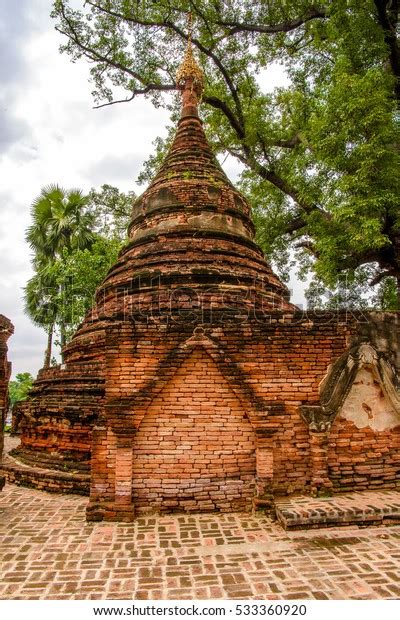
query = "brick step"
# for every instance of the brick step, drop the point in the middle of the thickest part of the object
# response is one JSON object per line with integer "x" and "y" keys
{"x": 358, "y": 508}
{"x": 42, "y": 479}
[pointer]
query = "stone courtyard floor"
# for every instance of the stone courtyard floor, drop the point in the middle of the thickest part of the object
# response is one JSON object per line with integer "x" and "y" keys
{"x": 48, "y": 551}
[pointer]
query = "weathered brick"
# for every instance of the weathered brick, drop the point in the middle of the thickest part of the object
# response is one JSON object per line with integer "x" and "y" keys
{"x": 185, "y": 385}
{"x": 6, "y": 330}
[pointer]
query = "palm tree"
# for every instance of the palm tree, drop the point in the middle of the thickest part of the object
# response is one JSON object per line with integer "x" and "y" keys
{"x": 60, "y": 225}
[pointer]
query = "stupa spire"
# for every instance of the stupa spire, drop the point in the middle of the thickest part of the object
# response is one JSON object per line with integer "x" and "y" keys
{"x": 190, "y": 77}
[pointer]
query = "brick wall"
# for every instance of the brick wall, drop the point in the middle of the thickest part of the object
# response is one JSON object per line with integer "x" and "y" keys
{"x": 212, "y": 426}
{"x": 57, "y": 420}
{"x": 241, "y": 386}
{"x": 361, "y": 458}
{"x": 6, "y": 329}
{"x": 195, "y": 448}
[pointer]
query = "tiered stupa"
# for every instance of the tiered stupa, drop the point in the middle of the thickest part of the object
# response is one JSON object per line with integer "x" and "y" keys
{"x": 194, "y": 384}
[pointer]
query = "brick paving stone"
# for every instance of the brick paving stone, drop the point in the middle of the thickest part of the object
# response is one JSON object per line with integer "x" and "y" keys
{"x": 48, "y": 551}
{"x": 347, "y": 508}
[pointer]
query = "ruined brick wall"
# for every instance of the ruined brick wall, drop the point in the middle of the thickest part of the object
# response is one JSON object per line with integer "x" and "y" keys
{"x": 241, "y": 387}
{"x": 361, "y": 458}
{"x": 51, "y": 481}
{"x": 285, "y": 363}
{"x": 56, "y": 421}
{"x": 364, "y": 443}
{"x": 194, "y": 413}
{"x": 6, "y": 329}
{"x": 270, "y": 369}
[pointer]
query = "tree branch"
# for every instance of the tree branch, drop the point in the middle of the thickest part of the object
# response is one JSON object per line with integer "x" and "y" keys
{"x": 380, "y": 276}
{"x": 94, "y": 55}
{"x": 295, "y": 224}
{"x": 288, "y": 144}
{"x": 307, "y": 245}
{"x": 136, "y": 92}
{"x": 172, "y": 26}
{"x": 217, "y": 103}
{"x": 316, "y": 13}
{"x": 271, "y": 176}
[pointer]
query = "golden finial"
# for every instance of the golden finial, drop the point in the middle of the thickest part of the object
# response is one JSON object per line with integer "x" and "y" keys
{"x": 189, "y": 69}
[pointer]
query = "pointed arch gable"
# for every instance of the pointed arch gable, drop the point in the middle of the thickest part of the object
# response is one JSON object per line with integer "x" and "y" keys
{"x": 255, "y": 407}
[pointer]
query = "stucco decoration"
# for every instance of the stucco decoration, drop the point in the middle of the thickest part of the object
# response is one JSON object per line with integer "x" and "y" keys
{"x": 362, "y": 387}
{"x": 366, "y": 404}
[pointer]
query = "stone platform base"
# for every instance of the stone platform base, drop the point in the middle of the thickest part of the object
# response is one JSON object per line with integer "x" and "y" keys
{"x": 358, "y": 508}
{"x": 50, "y": 480}
{"x": 45, "y": 479}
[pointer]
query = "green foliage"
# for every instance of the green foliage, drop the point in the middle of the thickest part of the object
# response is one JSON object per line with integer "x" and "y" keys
{"x": 75, "y": 239}
{"x": 111, "y": 211}
{"x": 77, "y": 276}
{"x": 40, "y": 305}
{"x": 352, "y": 291}
{"x": 386, "y": 297}
{"x": 18, "y": 388}
{"x": 59, "y": 222}
{"x": 155, "y": 160}
{"x": 321, "y": 157}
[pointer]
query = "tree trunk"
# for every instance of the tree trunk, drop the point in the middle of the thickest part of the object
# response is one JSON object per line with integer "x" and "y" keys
{"x": 62, "y": 341}
{"x": 62, "y": 323}
{"x": 47, "y": 353}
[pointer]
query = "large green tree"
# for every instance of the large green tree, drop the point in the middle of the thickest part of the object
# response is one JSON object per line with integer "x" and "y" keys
{"x": 321, "y": 157}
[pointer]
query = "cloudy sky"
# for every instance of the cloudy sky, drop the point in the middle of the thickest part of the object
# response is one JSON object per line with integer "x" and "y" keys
{"x": 50, "y": 133}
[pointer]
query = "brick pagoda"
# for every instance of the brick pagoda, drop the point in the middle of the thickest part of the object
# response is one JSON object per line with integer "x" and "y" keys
{"x": 194, "y": 384}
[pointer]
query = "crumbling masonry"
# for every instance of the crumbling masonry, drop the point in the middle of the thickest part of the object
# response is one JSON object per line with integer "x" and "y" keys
{"x": 194, "y": 384}
{"x": 6, "y": 330}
